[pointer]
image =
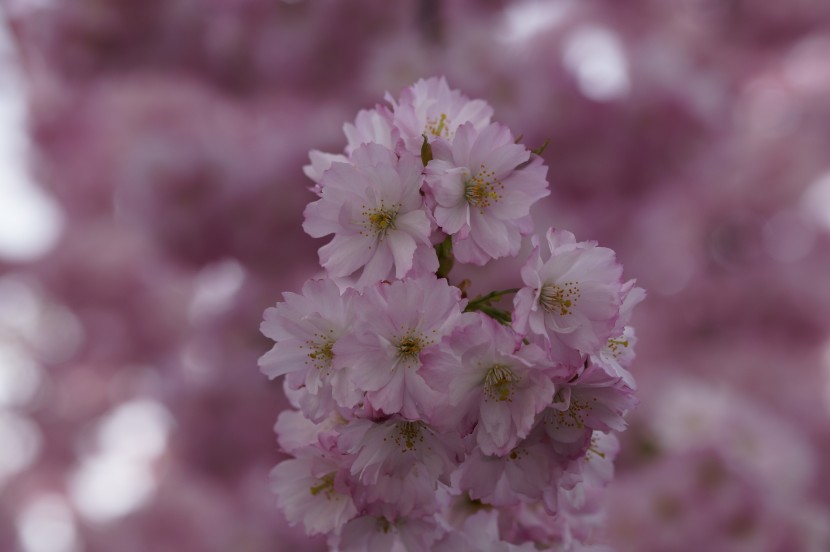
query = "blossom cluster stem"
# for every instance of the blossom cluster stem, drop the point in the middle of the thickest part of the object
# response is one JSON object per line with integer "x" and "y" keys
{"x": 482, "y": 302}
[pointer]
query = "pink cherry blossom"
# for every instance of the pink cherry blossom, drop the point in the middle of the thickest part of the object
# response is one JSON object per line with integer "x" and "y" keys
{"x": 399, "y": 462}
{"x": 521, "y": 475}
{"x": 497, "y": 389}
{"x": 592, "y": 401}
{"x": 320, "y": 163}
{"x": 310, "y": 490}
{"x": 371, "y": 126}
{"x": 618, "y": 352}
{"x": 428, "y": 410}
{"x": 375, "y": 211}
{"x": 573, "y": 297}
{"x": 305, "y": 327}
{"x": 396, "y": 343}
{"x": 393, "y": 447}
{"x": 430, "y": 108}
{"x": 480, "y": 531}
{"x": 372, "y": 533}
{"x": 484, "y": 184}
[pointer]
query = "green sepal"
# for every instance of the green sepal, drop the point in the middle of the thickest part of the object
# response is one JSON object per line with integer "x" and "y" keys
{"x": 426, "y": 152}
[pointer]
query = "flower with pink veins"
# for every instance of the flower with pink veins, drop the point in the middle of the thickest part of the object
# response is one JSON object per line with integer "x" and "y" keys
{"x": 305, "y": 327}
{"x": 395, "y": 347}
{"x": 375, "y": 211}
{"x": 484, "y": 185}
{"x": 497, "y": 388}
{"x": 573, "y": 298}
{"x": 430, "y": 108}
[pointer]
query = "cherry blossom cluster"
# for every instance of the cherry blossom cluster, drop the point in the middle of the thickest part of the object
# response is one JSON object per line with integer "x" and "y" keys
{"x": 426, "y": 419}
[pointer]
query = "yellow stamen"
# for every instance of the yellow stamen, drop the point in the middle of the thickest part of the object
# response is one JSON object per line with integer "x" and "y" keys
{"x": 407, "y": 435}
{"x": 559, "y": 298}
{"x": 499, "y": 382}
{"x": 482, "y": 189}
{"x": 325, "y": 486}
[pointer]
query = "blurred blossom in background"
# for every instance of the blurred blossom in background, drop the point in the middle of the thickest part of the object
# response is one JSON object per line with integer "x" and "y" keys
{"x": 151, "y": 198}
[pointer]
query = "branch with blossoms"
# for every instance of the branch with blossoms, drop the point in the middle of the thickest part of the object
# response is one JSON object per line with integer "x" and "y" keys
{"x": 425, "y": 420}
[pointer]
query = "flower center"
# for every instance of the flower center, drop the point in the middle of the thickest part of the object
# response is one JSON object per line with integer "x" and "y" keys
{"x": 617, "y": 346}
{"x": 383, "y": 525}
{"x": 321, "y": 352}
{"x": 499, "y": 383}
{"x": 594, "y": 449}
{"x": 407, "y": 435}
{"x": 325, "y": 485}
{"x": 408, "y": 348}
{"x": 380, "y": 220}
{"x": 482, "y": 190}
{"x": 438, "y": 127}
{"x": 574, "y": 416}
{"x": 559, "y": 298}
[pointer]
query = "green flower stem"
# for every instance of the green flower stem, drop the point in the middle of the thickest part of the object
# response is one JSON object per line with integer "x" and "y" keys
{"x": 482, "y": 302}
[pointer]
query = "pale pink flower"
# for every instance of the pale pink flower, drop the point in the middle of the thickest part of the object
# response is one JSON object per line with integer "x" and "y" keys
{"x": 371, "y": 126}
{"x": 618, "y": 352}
{"x": 585, "y": 475}
{"x": 375, "y": 211}
{"x": 573, "y": 297}
{"x": 396, "y": 343}
{"x": 484, "y": 184}
{"x": 311, "y": 490}
{"x": 372, "y": 533}
{"x": 430, "y": 108}
{"x": 497, "y": 388}
{"x": 593, "y": 401}
{"x": 532, "y": 522}
{"x": 320, "y": 163}
{"x": 297, "y": 435}
{"x": 305, "y": 327}
{"x": 522, "y": 474}
{"x": 399, "y": 462}
{"x": 597, "y": 466}
{"x": 395, "y": 446}
{"x": 480, "y": 531}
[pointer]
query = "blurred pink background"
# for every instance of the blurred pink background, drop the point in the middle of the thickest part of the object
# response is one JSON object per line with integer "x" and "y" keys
{"x": 151, "y": 205}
